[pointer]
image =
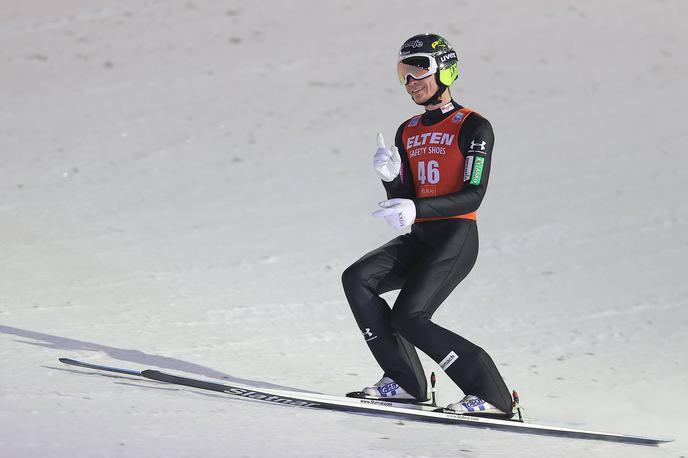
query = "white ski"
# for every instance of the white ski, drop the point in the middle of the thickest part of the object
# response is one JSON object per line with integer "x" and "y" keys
{"x": 413, "y": 412}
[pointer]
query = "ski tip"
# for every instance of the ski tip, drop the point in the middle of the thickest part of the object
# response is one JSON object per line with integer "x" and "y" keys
{"x": 663, "y": 440}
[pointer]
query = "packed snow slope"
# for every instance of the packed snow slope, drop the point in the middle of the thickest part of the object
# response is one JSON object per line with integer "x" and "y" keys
{"x": 183, "y": 182}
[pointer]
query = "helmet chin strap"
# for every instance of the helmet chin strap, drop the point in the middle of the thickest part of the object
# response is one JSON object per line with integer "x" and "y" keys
{"x": 437, "y": 97}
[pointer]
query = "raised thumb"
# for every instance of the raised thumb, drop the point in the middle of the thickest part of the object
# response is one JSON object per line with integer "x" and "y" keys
{"x": 380, "y": 140}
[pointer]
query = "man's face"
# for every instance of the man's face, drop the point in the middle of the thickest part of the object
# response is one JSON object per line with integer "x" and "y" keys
{"x": 421, "y": 90}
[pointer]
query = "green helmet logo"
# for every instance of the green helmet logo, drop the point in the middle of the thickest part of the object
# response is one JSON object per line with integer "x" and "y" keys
{"x": 441, "y": 43}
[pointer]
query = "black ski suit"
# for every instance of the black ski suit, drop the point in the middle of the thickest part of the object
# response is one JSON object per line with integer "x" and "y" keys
{"x": 426, "y": 265}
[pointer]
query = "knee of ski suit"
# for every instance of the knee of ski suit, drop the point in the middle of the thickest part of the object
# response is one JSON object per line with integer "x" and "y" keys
{"x": 352, "y": 278}
{"x": 356, "y": 289}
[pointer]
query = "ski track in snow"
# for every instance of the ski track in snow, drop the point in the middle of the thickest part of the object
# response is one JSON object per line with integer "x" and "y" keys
{"x": 184, "y": 182}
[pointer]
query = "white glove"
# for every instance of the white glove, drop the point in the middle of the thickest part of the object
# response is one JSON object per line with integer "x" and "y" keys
{"x": 387, "y": 162}
{"x": 399, "y": 213}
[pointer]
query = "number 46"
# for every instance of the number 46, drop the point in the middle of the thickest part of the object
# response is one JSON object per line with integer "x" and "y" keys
{"x": 431, "y": 174}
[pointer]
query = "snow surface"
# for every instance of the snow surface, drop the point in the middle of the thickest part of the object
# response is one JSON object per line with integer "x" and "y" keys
{"x": 183, "y": 183}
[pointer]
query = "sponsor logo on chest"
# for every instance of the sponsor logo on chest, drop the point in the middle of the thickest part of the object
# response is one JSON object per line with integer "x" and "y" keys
{"x": 429, "y": 138}
{"x": 458, "y": 117}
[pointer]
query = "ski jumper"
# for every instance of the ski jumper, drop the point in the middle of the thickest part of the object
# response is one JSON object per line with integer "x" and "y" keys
{"x": 446, "y": 155}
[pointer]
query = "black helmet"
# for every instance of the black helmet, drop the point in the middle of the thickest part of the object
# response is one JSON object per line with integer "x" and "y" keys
{"x": 428, "y": 54}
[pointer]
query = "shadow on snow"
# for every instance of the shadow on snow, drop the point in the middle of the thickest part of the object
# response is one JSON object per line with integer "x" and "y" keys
{"x": 131, "y": 356}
